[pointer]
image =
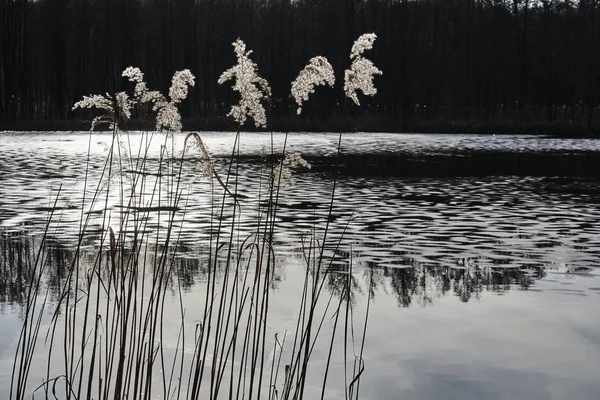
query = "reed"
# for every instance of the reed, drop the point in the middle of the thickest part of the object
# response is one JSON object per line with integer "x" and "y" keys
{"x": 109, "y": 334}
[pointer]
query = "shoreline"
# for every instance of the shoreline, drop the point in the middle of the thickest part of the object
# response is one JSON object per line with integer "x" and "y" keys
{"x": 558, "y": 129}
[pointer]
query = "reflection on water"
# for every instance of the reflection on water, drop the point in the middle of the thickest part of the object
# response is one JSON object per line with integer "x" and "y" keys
{"x": 422, "y": 285}
{"x": 15, "y": 274}
{"x": 466, "y": 237}
{"x": 416, "y": 285}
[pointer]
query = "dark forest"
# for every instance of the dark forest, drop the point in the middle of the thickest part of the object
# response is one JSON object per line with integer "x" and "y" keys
{"x": 448, "y": 65}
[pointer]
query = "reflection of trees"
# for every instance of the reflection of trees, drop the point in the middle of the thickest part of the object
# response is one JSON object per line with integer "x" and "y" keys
{"x": 417, "y": 283}
{"x": 19, "y": 252}
{"x": 422, "y": 284}
{"x": 15, "y": 267}
{"x": 337, "y": 281}
{"x": 192, "y": 265}
{"x": 413, "y": 283}
{"x": 19, "y": 263}
{"x": 58, "y": 261}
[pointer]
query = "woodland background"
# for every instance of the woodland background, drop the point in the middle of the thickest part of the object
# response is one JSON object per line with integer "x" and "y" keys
{"x": 449, "y": 65}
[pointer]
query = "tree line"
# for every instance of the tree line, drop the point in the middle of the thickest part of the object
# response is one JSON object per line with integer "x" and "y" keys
{"x": 444, "y": 61}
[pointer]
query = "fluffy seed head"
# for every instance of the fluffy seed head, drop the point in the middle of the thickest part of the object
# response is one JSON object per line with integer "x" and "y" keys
{"x": 96, "y": 101}
{"x": 167, "y": 117}
{"x": 119, "y": 106}
{"x": 317, "y": 72}
{"x": 134, "y": 74}
{"x": 362, "y": 44}
{"x": 253, "y": 89}
{"x": 282, "y": 174}
{"x": 179, "y": 85}
{"x": 141, "y": 92}
{"x": 361, "y": 72}
{"x": 124, "y": 105}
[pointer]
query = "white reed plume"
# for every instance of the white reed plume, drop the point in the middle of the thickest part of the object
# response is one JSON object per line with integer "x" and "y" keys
{"x": 318, "y": 72}
{"x": 124, "y": 105}
{"x": 96, "y": 101}
{"x": 283, "y": 173}
{"x": 360, "y": 74}
{"x": 363, "y": 43}
{"x": 141, "y": 92}
{"x": 167, "y": 115}
{"x": 253, "y": 89}
{"x": 179, "y": 85}
{"x": 114, "y": 107}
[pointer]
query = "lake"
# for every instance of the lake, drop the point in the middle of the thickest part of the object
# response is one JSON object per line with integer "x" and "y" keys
{"x": 481, "y": 254}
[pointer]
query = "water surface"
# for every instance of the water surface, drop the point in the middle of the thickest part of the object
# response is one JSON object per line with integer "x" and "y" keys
{"x": 485, "y": 249}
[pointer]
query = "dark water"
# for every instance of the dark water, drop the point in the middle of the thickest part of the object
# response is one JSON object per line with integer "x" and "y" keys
{"x": 485, "y": 249}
